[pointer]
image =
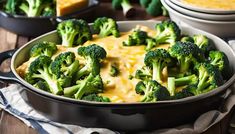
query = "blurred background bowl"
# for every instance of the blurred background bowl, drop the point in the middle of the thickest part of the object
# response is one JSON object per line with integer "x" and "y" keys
{"x": 219, "y": 28}
{"x": 202, "y": 9}
{"x": 207, "y": 16}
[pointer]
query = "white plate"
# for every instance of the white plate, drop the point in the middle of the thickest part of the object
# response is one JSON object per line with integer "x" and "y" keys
{"x": 220, "y": 28}
{"x": 202, "y": 9}
{"x": 222, "y": 17}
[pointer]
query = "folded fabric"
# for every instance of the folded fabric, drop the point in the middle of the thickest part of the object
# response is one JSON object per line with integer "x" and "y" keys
{"x": 12, "y": 102}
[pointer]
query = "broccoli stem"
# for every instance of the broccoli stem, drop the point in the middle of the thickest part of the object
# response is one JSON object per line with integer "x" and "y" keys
{"x": 157, "y": 74}
{"x": 105, "y": 30}
{"x": 215, "y": 61}
{"x": 68, "y": 38}
{"x": 126, "y": 6}
{"x": 203, "y": 82}
{"x": 171, "y": 85}
{"x": 184, "y": 65}
{"x": 184, "y": 80}
{"x": 70, "y": 91}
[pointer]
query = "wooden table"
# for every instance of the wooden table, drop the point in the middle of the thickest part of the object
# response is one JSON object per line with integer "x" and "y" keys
{"x": 8, "y": 40}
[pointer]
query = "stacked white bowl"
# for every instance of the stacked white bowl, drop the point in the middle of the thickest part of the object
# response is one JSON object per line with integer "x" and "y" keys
{"x": 218, "y": 22}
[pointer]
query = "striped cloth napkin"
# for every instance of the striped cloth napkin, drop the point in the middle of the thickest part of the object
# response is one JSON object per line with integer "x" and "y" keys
{"x": 12, "y": 102}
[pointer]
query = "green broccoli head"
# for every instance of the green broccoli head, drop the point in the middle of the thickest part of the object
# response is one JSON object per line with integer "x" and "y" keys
{"x": 42, "y": 85}
{"x": 33, "y": 8}
{"x": 39, "y": 70}
{"x": 12, "y": 6}
{"x": 145, "y": 3}
{"x": 137, "y": 37}
{"x": 49, "y": 11}
{"x": 64, "y": 67}
{"x": 74, "y": 32}
{"x": 90, "y": 85}
{"x": 186, "y": 53}
{"x": 167, "y": 32}
{"x": 202, "y": 42}
{"x": 220, "y": 60}
{"x": 187, "y": 39}
{"x": 144, "y": 73}
{"x": 209, "y": 78}
{"x": 154, "y": 8}
{"x": 93, "y": 54}
{"x": 183, "y": 93}
{"x": 157, "y": 60}
{"x": 151, "y": 43}
{"x": 114, "y": 71}
{"x": 43, "y": 48}
{"x": 96, "y": 98}
{"x": 106, "y": 26}
{"x": 152, "y": 91}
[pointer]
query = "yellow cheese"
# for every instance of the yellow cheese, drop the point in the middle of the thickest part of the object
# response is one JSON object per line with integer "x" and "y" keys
{"x": 213, "y": 4}
{"x": 64, "y": 7}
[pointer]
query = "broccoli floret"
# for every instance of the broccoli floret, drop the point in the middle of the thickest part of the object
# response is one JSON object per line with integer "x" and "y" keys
{"x": 114, "y": 71}
{"x": 183, "y": 93}
{"x": 90, "y": 85}
{"x": 167, "y": 32}
{"x": 137, "y": 37}
{"x": 49, "y": 11}
{"x": 95, "y": 97}
{"x": 34, "y": 8}
{"x": 152, "y": 91}
{"x": 220, "y": 60}
{"x": 106, "y": 26}
{"x": 64, "y": 67}
{"x": 151, "y": 43}
{"x": 145, "y": 3}
{"x": 12, "y": 6}
{"x": 209, "y": 78}
{"x": 186, "y": 53}
{"x": 74, "y": 32}
{"x": 202, "y": 42}
{"x": 144, "y": 73}
{"x": 43, "y": 48}
{"x": 157, "y": 60}
{"x": 42, "y": 85}
{"x": 128, "y": 9}
{"x": 182, "y": 81}
{"x": 92, "y": 54}
{"x": 187, "y": 39}
{"x": 154, "y": 8}
{"x": 39, "y": 69}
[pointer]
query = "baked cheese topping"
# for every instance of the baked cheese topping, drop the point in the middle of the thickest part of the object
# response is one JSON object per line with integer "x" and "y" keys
{"x": 64, "y": 7}
{"x": 213, "y": 4}
{"x": 128, "y": 59}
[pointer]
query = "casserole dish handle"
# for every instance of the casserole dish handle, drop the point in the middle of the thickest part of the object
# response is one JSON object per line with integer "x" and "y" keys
{"x": 7, "y": 76}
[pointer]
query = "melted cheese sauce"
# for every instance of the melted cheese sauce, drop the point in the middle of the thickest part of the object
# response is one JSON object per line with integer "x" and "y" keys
{"x": 128, "y": 59}
{"x": 213, "y": 4}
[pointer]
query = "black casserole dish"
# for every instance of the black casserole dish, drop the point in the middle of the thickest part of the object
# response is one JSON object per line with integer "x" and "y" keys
{"x": 35, "y": 26}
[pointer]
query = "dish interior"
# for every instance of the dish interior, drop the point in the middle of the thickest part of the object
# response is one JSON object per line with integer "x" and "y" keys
{"x": 120, "y": 90}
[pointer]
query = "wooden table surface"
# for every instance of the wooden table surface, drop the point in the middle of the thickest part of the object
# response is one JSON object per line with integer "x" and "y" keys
{"x": 8, "y": 40}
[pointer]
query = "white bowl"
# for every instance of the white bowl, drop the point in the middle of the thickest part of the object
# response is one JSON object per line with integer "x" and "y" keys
{"x": 221, "y": 17}
{"x": 219, "y": 28}
{"x": 202, "y": 9}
